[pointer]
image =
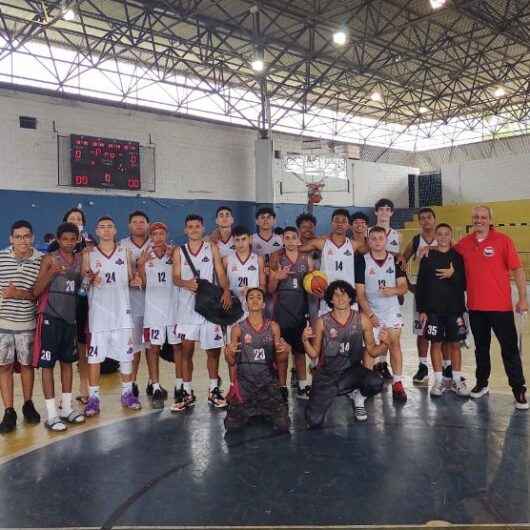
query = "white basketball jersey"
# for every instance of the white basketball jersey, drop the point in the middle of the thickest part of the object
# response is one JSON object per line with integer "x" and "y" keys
{"x": 393, "y": 240}
{"x": 160, "y": 293}
{"x": 423, "y": 243}
{"x": 266, "y": 247}
{"x": 108, "y": 302}
{"x": 226, "y": 247}
{"x": 375, "y": 278}
{"x": 203, "y": 263}
{"x": 337, "y": 262}
{"x": 137, "y": 296}
{"x": 242, "y": 275}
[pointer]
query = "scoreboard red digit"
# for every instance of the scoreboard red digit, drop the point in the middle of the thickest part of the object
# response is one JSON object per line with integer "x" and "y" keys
{"x": 105, "y": 163}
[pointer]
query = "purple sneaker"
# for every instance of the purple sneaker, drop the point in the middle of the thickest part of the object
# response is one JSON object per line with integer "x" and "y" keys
{"x": 130, "y": 401}
{"x": 92, "y": 407}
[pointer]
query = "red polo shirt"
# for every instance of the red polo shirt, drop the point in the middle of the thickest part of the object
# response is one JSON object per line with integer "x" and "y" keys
{"x": 488, "y": 264}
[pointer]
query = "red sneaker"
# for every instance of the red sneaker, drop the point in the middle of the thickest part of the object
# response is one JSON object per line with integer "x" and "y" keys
{"x": 398, "y": 392}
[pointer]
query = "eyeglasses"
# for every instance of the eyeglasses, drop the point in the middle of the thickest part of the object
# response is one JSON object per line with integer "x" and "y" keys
{"x": 25, "y": 237}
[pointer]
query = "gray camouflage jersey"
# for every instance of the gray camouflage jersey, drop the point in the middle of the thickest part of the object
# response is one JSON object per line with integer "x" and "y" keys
{"x": 61, "y": 296}
{"x": 342, "y": 345}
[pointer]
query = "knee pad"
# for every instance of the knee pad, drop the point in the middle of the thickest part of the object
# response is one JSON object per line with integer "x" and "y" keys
{"x": 126, "y": 367}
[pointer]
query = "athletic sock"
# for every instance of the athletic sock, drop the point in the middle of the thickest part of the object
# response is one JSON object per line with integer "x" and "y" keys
{"x": 126, "y": 387}
{"x": 66, "y": 401}
{"x": 93, "y": 391}
{"x": 457, "y": 376}
{"x": 423, "y": 360}
{"x": 51, "y": 408}
{"x": 187, "y": 386}
{"x": 397, "y": 378}
{"x": 446, "y": 363}
{"x": 302, "y": 383}
{"x": 214, "y": 383}
{"x": 438, "y": 377}
{"x": 178, "y": 383}
{"x": 156, "y": 386}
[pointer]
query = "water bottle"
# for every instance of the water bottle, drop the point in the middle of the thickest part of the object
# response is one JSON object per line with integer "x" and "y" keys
{"x": 83, "y": 288}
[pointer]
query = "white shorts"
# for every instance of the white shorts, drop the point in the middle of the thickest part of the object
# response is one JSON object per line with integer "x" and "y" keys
{"x": 157, "y": 336}
{"x": 138, "y": 335}
{"x": 116, "y": 344}
{"x": 208, "y": 334}
{"x": 390, "y": 319}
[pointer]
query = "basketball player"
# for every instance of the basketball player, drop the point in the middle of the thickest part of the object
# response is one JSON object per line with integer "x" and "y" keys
{"x": 109, "y": 267}
{"x": 265, "y": 241}
{"x": 255, "y": 349}
{"x": 337, "y": 342}
{"x": 136, "y": 243}
{"x": 222, "y": 235}
{"x": 384, "y": 210}
{"x": 441, "y": 304}
{"x": 286, "y": 279}
{"x": 337, "y": 253}
{"x": 56, "y": 336}
{"x": 206, "y": 259}
{"x": 155, "y": 266}
{"x": 379, "y": 281}
{"x": 426, "y": 237}
{"x": 359, "y": 223}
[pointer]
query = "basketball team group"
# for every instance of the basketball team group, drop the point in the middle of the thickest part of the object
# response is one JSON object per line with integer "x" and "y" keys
{"x": 330, "y": 305}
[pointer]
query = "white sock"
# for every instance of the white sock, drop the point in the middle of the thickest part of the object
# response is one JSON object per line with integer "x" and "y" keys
{"x": 67, "y": 403}
{"x": 187, "y": 386}
{"x": 93, "y": 391}
{"x": 423, "y": 360}
{"x": 178, "y": 382}
{"x": 51, "y": 408}
{"x": 156, "y": 386}
{"x": 126, "y": 387}
{"x": 457, "y": 376}
{"x": 358, "y": 398}
{"x": 214, "y": 383}
{"x": 381, "y": 359}
{"x": 446, "y": 363}
{"x": 302, "y": 383}
{"x": 437, "y": 377}
{"x": 397, "y": 378}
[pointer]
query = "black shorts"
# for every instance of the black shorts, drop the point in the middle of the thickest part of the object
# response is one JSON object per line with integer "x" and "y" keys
{"x": 445, "y": 328}
{"x": 58, "y": 342}
{"x": 82, "y": 319}
{"x": 293, "y": 337}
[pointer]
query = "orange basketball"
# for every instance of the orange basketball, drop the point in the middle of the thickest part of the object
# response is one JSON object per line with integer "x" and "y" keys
{"x": 318, "y": 284}
{"x": 315, "y": 280}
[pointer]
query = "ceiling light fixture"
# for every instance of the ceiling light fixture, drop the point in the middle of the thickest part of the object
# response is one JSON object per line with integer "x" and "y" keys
{"x": 424, "y": 110}
{"x": 376, "y": 96}
{"x": 499, "y": 92}
{"x": 340, "y": 37}
{"x": 438, "y": 4}
{"x": 257, "y": 65}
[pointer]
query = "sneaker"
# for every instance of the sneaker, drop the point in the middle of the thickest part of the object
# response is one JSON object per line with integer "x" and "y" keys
{"x": 149, "y": 391}
{"x": 55, "y": 424}
{"x": 398, "y": 392}
{"x": 135, "y": 389}
{"x": 9, "y": 421}
{"x": 303, "y": 393}
{"x": 359, "y": 413}
{"x": 92, "y": 408}
{"x": 383, "y": 371}
{"x": 422, "y": 375}
{"x": 130, "y": 401}
{"x": 479, "y": 390}
{"x": 460, "y": 388}
{"x": 158, "y": 400}
{"x": 29, "y": 412}
{"x": 285, "y": 393}
{"x": 189, "y": 399}
{"x": 437, "y": 389}
{"x": 179, "y": 404}
{"x": 520, "y": 399}
{"x": 216, "y": 399}
{"x": 294, "y": 378}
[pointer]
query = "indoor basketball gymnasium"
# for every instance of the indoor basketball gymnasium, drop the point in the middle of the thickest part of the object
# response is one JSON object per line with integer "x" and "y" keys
{"x": 264, "y": 264}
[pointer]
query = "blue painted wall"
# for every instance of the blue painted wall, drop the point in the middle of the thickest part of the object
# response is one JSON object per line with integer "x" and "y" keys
{"x": 45, "y": 211}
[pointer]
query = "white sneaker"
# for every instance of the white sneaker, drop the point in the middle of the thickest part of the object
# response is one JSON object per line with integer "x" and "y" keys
{"x": 478, "y": 391}
{"x": 460, "y": 388}
{"x": 437, "y": 389}
{"x": 359, "y": 410}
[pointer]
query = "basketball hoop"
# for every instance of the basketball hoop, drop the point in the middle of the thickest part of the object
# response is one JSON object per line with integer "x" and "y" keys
{"x": 314, "y": 194}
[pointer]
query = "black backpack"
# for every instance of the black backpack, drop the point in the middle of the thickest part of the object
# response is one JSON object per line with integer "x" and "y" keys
{"x": 208, "y": 299}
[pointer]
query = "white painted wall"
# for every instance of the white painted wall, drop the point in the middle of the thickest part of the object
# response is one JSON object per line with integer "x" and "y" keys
{"x": 372, "y": 181}
{"x": 494, "y": 179}
{"x": 193, "y": 159}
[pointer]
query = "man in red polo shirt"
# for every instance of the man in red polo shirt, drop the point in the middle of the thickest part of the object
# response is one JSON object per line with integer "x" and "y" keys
{"x": 489, "y": 257}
